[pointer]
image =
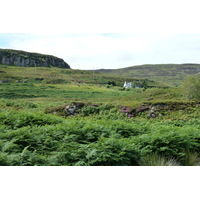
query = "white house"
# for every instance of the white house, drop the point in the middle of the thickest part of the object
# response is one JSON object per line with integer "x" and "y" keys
{"x": 127, "y": 85}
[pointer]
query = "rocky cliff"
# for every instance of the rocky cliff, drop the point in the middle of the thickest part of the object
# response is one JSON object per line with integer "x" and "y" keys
{"x": 27, "y": 59}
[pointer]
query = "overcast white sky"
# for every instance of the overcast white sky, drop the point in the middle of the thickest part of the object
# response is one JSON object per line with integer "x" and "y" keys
{"x": 88, "y": 51}
{"x": 104, "y": 34}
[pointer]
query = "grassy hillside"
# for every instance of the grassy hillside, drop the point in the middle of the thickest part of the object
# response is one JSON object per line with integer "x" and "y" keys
{"x": 59, "y": 85}
{"x": 112, "y": 126}
{"x": 55, "y": 75}
{"x": 172, "y": 74}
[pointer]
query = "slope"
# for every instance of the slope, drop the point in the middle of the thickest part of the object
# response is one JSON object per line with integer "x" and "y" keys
{"x": 54, "y": 75}
{"x": 173, "y": 74}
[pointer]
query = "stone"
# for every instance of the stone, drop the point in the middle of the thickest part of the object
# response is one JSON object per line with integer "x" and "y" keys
{"x": 125, "y": 109}
{"x": 28, "y": 59}
{"x": 142, "y": 109}
{"x": 130, "y": 115}
{"x": 152, "y": 115}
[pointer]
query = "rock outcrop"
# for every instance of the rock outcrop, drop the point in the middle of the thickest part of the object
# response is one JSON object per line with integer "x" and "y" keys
{"x": 27, "y": 59}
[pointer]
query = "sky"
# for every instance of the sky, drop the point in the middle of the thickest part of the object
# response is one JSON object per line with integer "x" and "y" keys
{"x": 93, "y": 34}
{"x": 109, "y": 50}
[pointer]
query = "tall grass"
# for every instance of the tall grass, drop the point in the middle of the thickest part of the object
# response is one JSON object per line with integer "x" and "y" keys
{"x": 192, "y": 159}
{"x": 158, "y": 160}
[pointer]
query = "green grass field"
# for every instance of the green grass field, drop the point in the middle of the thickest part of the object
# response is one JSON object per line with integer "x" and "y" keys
{"x": 35, "y": 128}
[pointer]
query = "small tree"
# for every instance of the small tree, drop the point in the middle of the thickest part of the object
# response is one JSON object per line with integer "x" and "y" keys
{"x": 191, "y": 87}
{"x": 112, "y": 83}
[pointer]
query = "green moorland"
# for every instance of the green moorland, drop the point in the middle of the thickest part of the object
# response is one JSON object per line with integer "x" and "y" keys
{"x": 172, "y": 74}
{"x": 153, "y": 125}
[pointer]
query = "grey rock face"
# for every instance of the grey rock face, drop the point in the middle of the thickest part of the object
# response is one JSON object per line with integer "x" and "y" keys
{"x": 27, "y": 59}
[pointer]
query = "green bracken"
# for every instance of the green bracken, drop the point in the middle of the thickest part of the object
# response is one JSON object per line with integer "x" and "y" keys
{"x": 35, "y": 129}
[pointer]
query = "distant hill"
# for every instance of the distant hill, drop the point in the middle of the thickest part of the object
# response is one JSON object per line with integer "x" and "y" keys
{"x": 171, "y": 74}
{"x": 28, "y": 59}
{"x": 55, "y": 75}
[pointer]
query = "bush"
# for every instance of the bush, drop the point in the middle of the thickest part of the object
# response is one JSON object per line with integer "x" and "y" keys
{"x": 18, "y": 119}
{"x": 110, "y": 152}
{"x": 88, "y": 110}
{"x": 170, "y": 142}
{"x": 191, "y": 88}
{"x": 19, "y": 104}
{"x": 3, "y": 159}
{"x": 112, "y": 83}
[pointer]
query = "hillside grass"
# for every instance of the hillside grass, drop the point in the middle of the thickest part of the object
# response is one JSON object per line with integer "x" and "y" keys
{"x": 170, "y": 74}
{"x": 55, "y": 75}
{"x": 41, "y": 92}
{"x": 33, "y": 134}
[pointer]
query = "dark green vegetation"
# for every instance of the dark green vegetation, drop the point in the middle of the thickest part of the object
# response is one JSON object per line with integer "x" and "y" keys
{"x": 172, "y": 74}
{"x": 152, "y": 125}
{"x": 107, "y": 138}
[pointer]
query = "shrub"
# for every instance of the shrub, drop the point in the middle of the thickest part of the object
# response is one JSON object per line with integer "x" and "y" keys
{"x": 19, "y": 104}
{"x": 26, "y": 158}
{"x": 169, "y": 142}
{"x": 112, "y": 83}
{"x": 191, "y": 87}
{"x": 111, "y": 152}
{"x": 18, "y": 119}
{"x": 3, "y": 159}
{"x": 88, "y": 110}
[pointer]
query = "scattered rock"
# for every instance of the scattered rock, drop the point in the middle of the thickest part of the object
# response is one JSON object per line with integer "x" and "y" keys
{"x": 94, "y": 105}
{"x": 65, "y": 110}
{"x": 152, "y": 115}
{"x": 126, "y": 109}
{"x": 142, "y": 109}
{"x": 5, "y": 81}
{"x": 153, "y": 109}
{"x": 131, "y": 112}
{"x": 71, "y": 109}
{"x": 130, "y": 115}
